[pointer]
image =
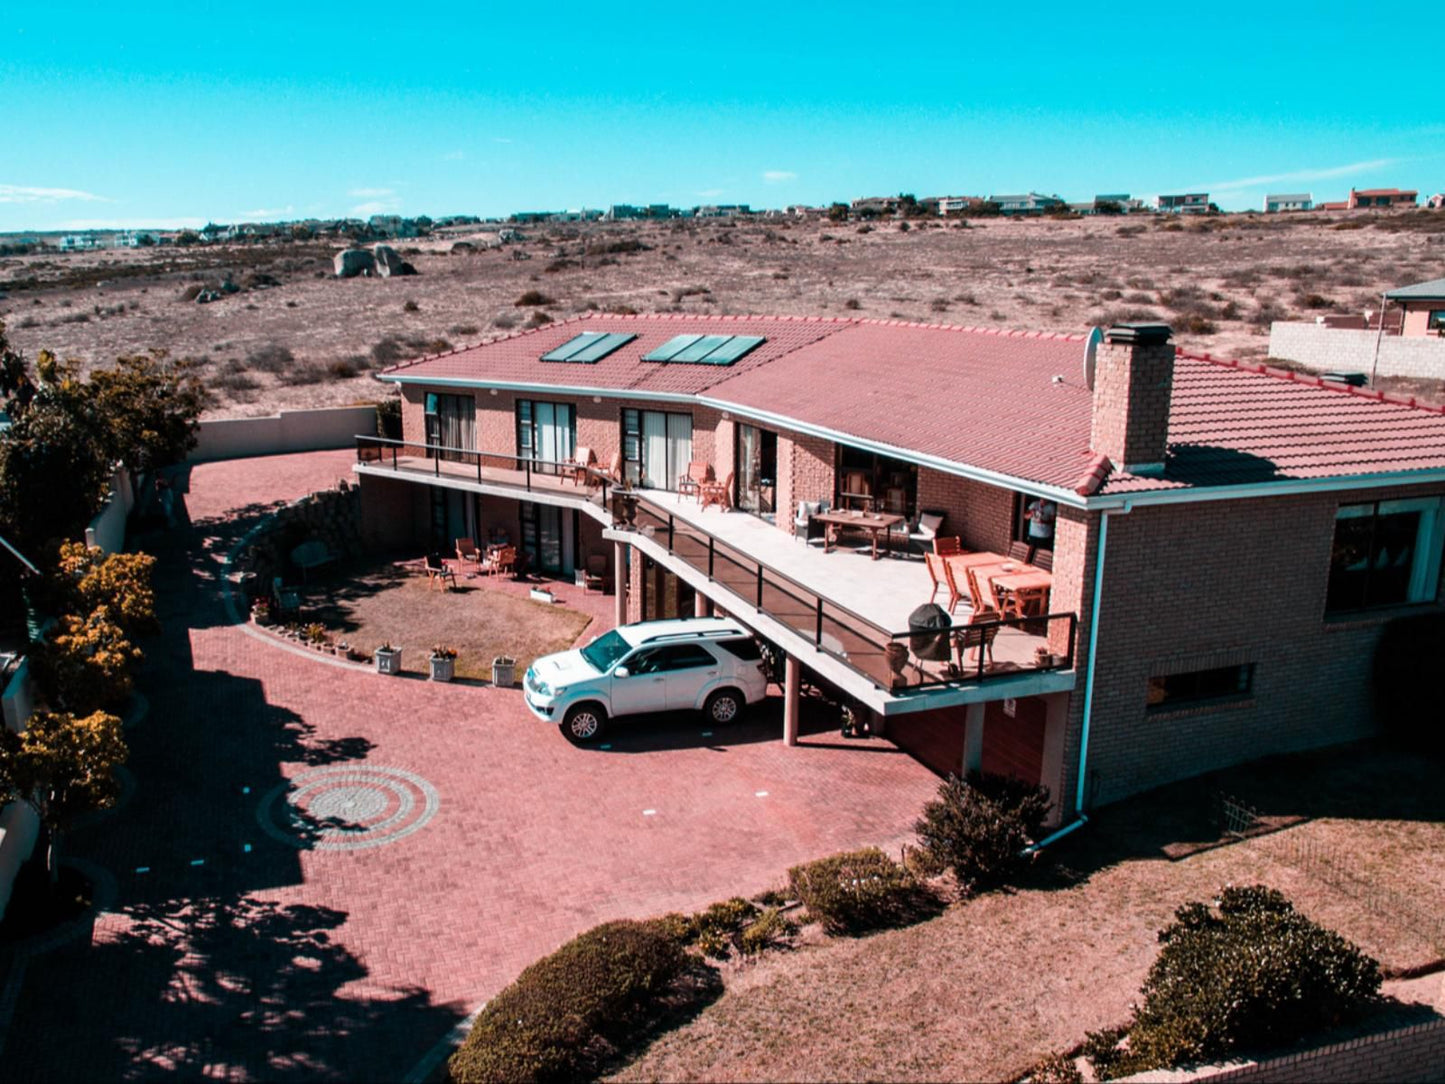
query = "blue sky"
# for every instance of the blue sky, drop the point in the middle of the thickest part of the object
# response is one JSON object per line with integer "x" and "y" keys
{"x": 173, "y": 114}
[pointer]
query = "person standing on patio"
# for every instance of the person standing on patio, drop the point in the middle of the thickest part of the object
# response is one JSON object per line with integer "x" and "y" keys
{"x": 1040, "y": 515}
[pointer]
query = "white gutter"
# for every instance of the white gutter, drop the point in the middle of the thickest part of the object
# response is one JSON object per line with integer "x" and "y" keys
{"x": 1093, "y": 656}
{"x": 1288, "y": 488}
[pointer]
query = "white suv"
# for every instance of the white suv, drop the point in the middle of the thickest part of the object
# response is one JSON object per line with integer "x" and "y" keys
{"x": 705, "y": 663}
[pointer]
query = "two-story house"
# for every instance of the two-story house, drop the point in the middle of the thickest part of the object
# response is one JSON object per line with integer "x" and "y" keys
{"x": 1225, "y": 542}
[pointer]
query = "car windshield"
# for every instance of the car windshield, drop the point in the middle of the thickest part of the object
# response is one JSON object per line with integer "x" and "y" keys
{"x": 602, "y": 652}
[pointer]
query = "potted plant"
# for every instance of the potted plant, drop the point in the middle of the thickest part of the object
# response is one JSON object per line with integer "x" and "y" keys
{"x": 504, "y": 670}
{"x": 624, "y": 505}
{"x": 443, "y": 663}
{"x": 1043, "y": 658}
{"x": 261, "y": 612}
{"x": 315, "y": 635}
{"x": 388, "y": 659}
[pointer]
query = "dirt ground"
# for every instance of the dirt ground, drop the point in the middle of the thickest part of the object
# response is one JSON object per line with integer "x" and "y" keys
{"x": 394, "y": 604}
{"x": 994, "y": 984}
{"x": 294, "y": 336}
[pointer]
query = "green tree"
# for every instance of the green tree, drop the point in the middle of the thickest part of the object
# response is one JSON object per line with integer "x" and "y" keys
{"x": 152, "y": 407}
{"x": 188, "y": 237}
{"x": 838, "y": 212}
{"x": 62, "y": 766}
{"x": 85, "y": 664}
{"x": 88, "y": 578}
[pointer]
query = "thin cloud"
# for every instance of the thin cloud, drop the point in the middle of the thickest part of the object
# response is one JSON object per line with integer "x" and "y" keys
{"x": 19, "y": 193}
{"x": 132, "y": 224}
{"x": 1298, "y": 175}
{"x": 454, "y": 156}
{"x": 376, "y": 207}
{"x": 266, "y": 214}
{"x": 779, "y": 176}
{"x": 371, "y": 193}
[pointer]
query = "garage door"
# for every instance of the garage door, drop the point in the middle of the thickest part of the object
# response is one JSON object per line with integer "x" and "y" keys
{"x": 935, "y": 738}
{"x": 1015, "y": 745}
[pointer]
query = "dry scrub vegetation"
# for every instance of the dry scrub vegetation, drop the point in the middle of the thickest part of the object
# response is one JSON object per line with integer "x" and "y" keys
{"x": 291, "y": 335}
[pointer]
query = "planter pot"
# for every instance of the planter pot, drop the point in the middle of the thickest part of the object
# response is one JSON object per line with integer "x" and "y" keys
{"x": 262, "y": 617}
{"x": 624, "y": 509}
{"x": 504, "y": 671}
{"x": 541, "y": 594}
{"x": 442, "y": 668}
{"x": 388, "y": 662}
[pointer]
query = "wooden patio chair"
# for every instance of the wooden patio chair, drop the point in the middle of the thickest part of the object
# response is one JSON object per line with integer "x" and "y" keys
{"x": 467, "y": 553}
{"x": 438, "y": 572}
{"x": 716, "y": 493}
{"x": 942, "y": 576}
{"x": 690, "y": 484}
{"x": 943, "y": 545}
{"x": 501, "y": 559}
{"x": 977, "y": 635}
{"x": 594, "y": 575}
{"x": 577, "y": 466}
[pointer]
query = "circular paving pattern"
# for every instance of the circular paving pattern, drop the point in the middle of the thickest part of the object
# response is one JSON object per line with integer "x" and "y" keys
{"x": 348, "y": 808}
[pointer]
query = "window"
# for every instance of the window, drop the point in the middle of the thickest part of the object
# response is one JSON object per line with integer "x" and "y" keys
{"x": 1436, "y": 320}
{"x": 1170, "y": 691}
{"x": 1386, "y": 553}
{"x": 656, "y": 447}
{"x": 747, "y": 649}
{"x": 546, "y": 432}
{"x": 684, "y": 657}
{"x": 451, "y": 424}
{"x": 588, "y": 348}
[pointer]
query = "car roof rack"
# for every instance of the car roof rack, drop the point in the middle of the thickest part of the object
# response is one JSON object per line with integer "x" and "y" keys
{"x": 697, "y": 634}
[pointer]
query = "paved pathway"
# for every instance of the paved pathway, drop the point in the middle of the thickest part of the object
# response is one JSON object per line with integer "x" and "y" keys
{"x": 276, "y": 939}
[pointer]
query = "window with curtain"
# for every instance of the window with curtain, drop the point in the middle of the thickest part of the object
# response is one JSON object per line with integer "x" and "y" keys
{"x": 656, "y": 447}
{"x": 546, "y": 432}
{"x": 452, "y": 423}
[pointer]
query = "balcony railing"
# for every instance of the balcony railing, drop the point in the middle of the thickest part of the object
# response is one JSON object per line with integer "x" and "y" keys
{"x": 586, "y": 482}
{"x": 894, "y": 661}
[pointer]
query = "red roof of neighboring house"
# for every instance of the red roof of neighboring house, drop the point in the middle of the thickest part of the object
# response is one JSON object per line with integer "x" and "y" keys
{"x": 1013, "y": 403}
{"x": 1384, "y": 191}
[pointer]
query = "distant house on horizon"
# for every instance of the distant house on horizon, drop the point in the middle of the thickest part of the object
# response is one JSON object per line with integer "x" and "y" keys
{"x": 1188, "y": 203}
{"x": 1030, "y": 203}
{"x": 1381, "y": 197}
{"x": 1289, "y": 201}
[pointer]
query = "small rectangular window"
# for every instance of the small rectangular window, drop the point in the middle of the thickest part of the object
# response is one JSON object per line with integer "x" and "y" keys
{"x": 1170, "y": 691}
{"x": 1436, "y": 321}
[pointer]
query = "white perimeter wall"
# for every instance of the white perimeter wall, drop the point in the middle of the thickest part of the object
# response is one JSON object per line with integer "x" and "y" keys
{"x": 107, "y": 529}
{"x": 1324, "y": 349}
{"x": 288, "y": 431}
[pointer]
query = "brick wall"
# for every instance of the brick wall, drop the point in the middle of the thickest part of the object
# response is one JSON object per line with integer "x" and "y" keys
{"x": 806, "y": 470}
{"x": 1325, "y": 348}
{"x": 1192, "y": 587}
{"x": 1402, "y": 1056}
{"x": 390, "y": 514}
{"x": 982, "y": 515}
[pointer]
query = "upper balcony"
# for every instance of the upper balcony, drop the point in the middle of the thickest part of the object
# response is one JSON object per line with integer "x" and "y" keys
{"x": 846, "y": 610}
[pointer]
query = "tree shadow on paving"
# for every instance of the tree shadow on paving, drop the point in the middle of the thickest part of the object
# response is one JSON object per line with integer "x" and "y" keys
{"x": 1370, "y": 780}
{"x": 236, "y": 985}
{"x": 329, "y": 598}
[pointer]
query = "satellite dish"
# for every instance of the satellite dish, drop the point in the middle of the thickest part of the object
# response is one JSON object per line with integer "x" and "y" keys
{"x": 1091, "y": 351}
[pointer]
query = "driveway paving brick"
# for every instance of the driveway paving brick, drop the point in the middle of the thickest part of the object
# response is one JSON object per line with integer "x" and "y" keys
{"x": 242, "y": 955}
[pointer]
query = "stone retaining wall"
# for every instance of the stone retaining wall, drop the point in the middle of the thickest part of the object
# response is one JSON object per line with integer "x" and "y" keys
{"x": 331, "y": 516}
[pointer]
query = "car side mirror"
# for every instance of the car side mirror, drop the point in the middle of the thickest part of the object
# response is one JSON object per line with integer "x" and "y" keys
{"x": 622, "y": 672}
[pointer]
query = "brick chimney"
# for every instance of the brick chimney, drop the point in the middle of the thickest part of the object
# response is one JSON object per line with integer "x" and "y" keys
{"x": 1133, "y": 375}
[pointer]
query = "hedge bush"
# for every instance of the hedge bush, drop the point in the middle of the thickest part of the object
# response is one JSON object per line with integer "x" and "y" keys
{"x": 85, "y": 665}
{"x": 1249, "y": 974}
{"x": 979, "y": 827}
{"x": 858, "y": 891}
{"x": 569, "y": 1013}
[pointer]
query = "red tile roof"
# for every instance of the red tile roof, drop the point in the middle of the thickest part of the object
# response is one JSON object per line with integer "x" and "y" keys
{"x": 1009, "y": 402}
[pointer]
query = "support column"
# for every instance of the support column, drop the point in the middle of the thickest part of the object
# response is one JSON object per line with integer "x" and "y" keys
{"x": 701, "y": 605}
{"x": 973, "y": 739}
{"x": 619, "y": 580}
{"x": 792, "y": 698}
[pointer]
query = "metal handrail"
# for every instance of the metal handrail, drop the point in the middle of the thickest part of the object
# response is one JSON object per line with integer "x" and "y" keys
{"x": 527, "y": 464}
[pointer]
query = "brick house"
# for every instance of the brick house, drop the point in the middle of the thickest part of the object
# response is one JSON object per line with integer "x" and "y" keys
{"x": 1227, "y": 541}
{"x": 1422, "y": 308}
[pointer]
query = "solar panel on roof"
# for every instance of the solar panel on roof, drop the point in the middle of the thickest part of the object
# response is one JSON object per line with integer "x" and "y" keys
{"x": 704, "y": 349}
{"x": 671, "y": 348}
{"x": 588, "y": 347}
{"x": 734, "y": 348}
{"x": 602, "y": 347}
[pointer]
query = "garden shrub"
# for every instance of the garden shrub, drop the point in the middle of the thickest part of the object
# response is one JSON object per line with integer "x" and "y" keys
{"x": 1055, "y": 1069}
{"x": 1249, "y": 974}
{"x": 121, "y": 582}
{"x": 569, "y": 1013}
{"x": 85, "y": 664}
{"x": 979, "y": 827}
{"x": 858, "y": 891}
{"x": 765, "y": 932}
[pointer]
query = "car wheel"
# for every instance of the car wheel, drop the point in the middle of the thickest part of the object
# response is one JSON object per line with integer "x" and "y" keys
{"x": 584, "y": 723}
{"x": 724, "y": 706}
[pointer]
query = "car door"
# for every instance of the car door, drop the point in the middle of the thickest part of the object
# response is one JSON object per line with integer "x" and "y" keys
{"x": 645, "y": 686}
{"x": 690, "y": 669}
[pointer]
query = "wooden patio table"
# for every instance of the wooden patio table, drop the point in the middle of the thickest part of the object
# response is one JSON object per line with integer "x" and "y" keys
{"x": 873, "y": 522}
{"x": 1030, "y": 585}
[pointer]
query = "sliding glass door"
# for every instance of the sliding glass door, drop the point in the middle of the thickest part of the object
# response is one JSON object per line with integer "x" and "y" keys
{"x": 757, "y": 461}
{"x": 657, "y": 447}
{"x": 546, "y": 433}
